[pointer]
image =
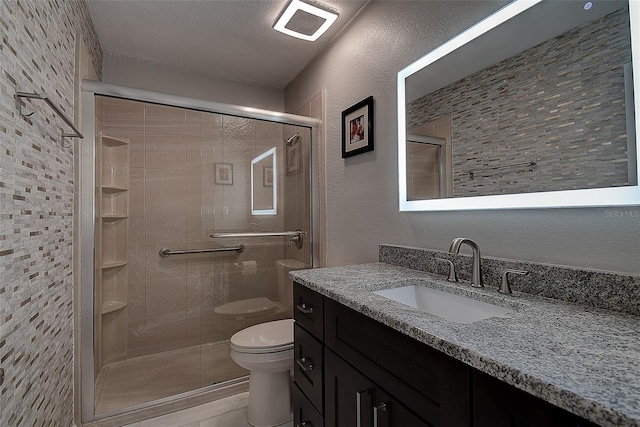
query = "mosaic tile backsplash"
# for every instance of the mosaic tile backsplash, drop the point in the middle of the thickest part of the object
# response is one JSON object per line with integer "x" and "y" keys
{"x": 37, "y": 54}
{"x": 560, "y": 104}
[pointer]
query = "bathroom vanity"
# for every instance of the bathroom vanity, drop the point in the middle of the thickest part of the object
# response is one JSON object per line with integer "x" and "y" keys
{"x": 365, "y": 360}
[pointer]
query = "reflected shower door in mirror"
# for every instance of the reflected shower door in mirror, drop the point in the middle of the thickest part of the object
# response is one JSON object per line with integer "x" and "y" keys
{"x": 535, "y": 105}
{"x": 264, "y": 183}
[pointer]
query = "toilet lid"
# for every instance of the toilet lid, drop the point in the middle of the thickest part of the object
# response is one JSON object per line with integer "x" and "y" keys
{"x": 291, "y": 264}
{"x": 246, "y": 307}
{"x": 264, "y": 338}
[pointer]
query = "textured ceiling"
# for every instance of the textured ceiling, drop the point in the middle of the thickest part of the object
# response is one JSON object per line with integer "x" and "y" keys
{"x": 226, "y": 38}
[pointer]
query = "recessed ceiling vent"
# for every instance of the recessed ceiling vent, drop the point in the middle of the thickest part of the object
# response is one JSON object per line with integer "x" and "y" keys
{"x": 305, "y": 21}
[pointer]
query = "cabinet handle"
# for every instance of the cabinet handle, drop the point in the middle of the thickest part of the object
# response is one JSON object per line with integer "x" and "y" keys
{"x": 304, "y": 308}
{"x": 305, "y": 424}
{"x": 305, "y": 363}
{"x": 359, "y": 396}
{"x": 382, "y": 407}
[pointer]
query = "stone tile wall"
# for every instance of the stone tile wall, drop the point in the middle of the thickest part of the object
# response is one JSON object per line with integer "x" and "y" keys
{"x": 560, "y": 104}
{"x": 37, "y": 50}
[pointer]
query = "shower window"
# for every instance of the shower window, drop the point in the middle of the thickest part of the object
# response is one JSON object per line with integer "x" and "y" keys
{"x": 182, "y": 175}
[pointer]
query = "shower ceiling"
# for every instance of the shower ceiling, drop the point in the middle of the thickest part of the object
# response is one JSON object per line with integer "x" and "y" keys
{"x": 225, "y": 38}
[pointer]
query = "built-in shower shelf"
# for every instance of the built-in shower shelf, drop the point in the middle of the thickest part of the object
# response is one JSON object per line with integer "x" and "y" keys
{"x": 114, "y": 264}
{"x": 110, "y": 189}
{"x": 110, "y": 141}
{"x": 111, "y": 306}
{"x": 112, "y": 285}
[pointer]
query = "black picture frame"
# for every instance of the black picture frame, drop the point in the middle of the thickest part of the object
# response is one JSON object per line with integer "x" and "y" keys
{"x": 357, "y": 128}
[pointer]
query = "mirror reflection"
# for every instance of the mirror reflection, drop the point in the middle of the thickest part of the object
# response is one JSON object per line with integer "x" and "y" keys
{"x": 543, "y": 102}
{"x": 264, "y": 195}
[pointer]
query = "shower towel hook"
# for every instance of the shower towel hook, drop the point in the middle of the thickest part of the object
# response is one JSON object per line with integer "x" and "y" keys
{"x": 59, "y": 113}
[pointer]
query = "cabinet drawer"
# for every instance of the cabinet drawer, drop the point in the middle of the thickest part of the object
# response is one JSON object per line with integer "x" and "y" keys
{"x": 308, "y": 310}
{"x": 304, "y": 414}
{"x": 308, "y": 365}
{"x": 433, "y": 384}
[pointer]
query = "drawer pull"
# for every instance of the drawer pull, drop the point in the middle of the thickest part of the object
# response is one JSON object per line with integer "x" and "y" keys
{"x": 381, "y": 408}
{"x": 304, "y": 308}
{"x": 305, "y": 424}
{"x": 305, "y": 363}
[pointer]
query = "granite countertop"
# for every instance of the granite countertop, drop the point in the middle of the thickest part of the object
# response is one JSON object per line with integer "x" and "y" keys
{"x": 583, "y": 359}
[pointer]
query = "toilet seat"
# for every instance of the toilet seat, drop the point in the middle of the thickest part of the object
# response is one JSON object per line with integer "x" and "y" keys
{"x": 247, "y": 307}
{"x": 270, "y": 337}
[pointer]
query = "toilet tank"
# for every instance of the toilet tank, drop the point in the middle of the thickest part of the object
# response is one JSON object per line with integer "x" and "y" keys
{"x": 285, "y": 284}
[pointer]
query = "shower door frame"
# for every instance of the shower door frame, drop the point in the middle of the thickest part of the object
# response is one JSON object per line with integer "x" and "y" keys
{"x": 89, "y": 216}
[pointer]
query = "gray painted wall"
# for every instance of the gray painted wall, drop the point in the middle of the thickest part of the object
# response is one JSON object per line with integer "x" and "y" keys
{"x": 362, "y": 195}
{"x": 177, "y": 81}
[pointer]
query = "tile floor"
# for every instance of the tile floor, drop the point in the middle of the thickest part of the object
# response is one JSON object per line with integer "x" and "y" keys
{"x": 149, "y": 378}
{"x": 227, "y": 412}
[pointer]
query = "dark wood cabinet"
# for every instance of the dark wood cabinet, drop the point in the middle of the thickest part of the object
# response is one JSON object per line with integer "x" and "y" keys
{"x": 308, "y": 369}
{"x": 304, "y": 413}
{"x": 433, "y": 384}
{"x": 496, "y": 404}
{"x": 351, "y": 368}
{"x": 308, "y": 310}
{"x": 352, "y": 399}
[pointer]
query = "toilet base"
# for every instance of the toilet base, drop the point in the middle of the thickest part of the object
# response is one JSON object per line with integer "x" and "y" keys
{"x": 269, "y": 399}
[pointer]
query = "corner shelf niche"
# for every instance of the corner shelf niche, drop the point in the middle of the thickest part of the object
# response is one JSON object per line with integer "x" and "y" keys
{"x": 112, "y": 280}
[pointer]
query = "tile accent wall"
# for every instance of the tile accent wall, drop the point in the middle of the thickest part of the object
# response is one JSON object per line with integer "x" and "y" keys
{"x": 37, "y": 49}
{"x": 546, "y": 114}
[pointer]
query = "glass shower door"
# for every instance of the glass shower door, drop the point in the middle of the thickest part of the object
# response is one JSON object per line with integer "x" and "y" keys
{"x": 184, "y": 175}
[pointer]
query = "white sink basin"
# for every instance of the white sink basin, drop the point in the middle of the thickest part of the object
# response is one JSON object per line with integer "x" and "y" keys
{"x": 451, "y": 307}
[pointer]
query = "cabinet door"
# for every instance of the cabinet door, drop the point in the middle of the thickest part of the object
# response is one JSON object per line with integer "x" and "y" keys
{"x": 348, "y": 395}
{"x": 388, "y": 412}
{"x": 496, "y": 404}
{"x": 433, "y": 385}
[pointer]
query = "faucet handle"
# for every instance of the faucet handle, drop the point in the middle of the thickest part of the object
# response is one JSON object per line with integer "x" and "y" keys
{"x": 505, "y": 288}
{"x": 453, "y": 277}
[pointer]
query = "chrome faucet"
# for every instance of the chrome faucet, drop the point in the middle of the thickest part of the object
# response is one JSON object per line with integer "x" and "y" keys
{"x": 476, "y": 273}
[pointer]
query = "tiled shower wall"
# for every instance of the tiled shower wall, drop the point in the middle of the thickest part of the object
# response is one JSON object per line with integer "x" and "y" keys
{"x": 546, "y": 113}
{"x": 37, "y": 48}
{"x": 175, "y": 202}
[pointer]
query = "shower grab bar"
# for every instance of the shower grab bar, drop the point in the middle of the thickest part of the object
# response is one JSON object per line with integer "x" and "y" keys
{"x": 256, "y": 234}
{"x": 54, "y": 107}
{"x": 511, "y": 165}
{"x": 165, "y": 252}
{"x": 296, "y": 237}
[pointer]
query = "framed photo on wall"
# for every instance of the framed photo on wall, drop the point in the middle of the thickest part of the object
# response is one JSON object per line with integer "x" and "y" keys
{"x": 357, "y": 128}
{"x": 224, "y": 173}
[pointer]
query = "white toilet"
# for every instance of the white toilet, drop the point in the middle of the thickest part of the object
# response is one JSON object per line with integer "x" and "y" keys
{"x": 266, "y": 350}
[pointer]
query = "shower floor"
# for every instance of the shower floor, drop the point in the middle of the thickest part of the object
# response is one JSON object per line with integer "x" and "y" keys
{"x": 148, "y": 378}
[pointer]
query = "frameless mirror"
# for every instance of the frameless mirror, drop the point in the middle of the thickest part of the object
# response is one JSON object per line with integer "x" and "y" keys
{"x": 264, "y": 188}
{"x": 531, "y": 107}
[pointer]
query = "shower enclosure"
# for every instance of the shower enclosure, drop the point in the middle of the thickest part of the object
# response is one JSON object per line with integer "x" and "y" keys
{"x": 198, "y": 218}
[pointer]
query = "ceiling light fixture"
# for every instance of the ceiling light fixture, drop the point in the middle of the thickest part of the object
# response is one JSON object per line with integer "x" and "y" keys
{"x": 305, "y": 21}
